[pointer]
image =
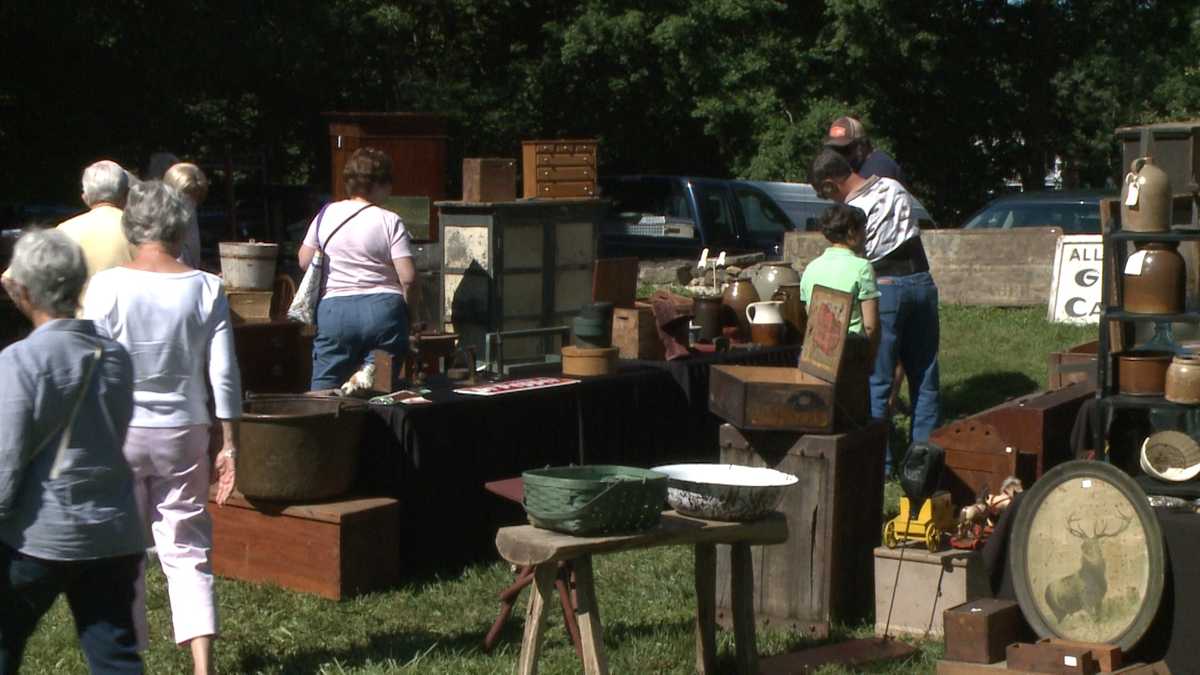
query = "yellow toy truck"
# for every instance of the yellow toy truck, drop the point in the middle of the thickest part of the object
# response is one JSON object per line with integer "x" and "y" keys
{"x": 936, "y": 517}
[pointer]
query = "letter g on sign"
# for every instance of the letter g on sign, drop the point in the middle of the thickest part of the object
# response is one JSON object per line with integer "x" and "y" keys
{"x": 1086, "y": 278}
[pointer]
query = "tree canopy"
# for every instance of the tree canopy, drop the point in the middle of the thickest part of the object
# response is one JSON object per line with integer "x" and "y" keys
{"x": 964, "y": 93}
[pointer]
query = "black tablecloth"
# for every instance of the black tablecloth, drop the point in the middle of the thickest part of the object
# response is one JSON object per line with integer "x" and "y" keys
{"x": 436, "y": 457}
{"x": 1175, "y": 634}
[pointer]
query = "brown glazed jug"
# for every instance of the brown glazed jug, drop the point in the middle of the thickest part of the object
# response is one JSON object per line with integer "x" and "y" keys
{"x": 738, "y": 295}
{"x": 1154, "y": 279}
{"x": 1146, "y": 198}
{"x": 794, "y": 316}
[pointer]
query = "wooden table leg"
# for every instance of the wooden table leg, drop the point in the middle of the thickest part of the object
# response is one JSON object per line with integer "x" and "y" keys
{"x": 742, "y": 599}
{"x": 706, "y": 609}
{"x": 588, "y": 612}
{"x": 535, "y": 619}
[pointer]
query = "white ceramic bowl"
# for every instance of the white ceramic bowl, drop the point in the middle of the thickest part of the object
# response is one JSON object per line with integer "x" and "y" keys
{"x": 724, "y": 491}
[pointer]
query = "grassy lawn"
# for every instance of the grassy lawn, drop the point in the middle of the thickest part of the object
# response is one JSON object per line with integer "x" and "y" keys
{"x": 436, "y": 625}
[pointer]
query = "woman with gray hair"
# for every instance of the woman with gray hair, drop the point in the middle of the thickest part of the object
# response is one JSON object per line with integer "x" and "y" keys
{"x": 69, "y": 523}
{"x": 174, "y": 321}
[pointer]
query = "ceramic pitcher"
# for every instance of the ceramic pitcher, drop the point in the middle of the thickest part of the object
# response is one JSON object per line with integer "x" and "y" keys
{"x": 766, "y": 322}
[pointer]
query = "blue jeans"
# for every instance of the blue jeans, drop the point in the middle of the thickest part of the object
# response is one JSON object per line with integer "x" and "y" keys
{"x": 909, "y": 333}
{"x": 99, "y": 593}
{"x": 349, "y": 328}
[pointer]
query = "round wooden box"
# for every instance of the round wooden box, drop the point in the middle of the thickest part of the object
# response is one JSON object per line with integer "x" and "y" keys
{"x": 584, "y": 361}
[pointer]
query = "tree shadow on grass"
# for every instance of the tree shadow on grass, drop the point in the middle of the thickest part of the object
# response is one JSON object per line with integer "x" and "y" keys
{"x": 980, "y": 392}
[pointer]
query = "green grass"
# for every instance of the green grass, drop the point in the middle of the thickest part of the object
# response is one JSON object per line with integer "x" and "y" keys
{"x": 436, "y": 625}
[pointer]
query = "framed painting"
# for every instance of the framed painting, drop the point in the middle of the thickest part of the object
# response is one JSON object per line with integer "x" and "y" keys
{"x": 825, "y": 335}
{"x": 1087, "y": 556}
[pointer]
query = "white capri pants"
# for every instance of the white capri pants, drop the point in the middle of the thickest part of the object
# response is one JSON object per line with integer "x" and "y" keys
{"x": 171, "y": 477}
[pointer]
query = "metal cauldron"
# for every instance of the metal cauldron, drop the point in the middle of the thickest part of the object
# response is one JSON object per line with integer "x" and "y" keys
{"x": 298, "y": 448}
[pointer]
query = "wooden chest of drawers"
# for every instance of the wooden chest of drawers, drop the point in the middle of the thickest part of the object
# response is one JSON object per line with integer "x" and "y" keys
{"x": 559, "y": 169}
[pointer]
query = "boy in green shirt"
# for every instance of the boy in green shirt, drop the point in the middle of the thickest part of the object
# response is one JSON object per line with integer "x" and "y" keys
{"x": 840, "y": 267}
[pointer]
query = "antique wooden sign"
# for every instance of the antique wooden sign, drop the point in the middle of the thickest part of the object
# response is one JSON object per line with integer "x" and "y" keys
{"x": 1087, "y": 556}
{"x": 825, "y": 334}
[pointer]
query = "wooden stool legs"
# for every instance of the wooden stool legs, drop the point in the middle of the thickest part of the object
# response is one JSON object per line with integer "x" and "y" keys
{"x": 742, "y": 598}
{"x": 508, "y": 598}
{"x": 587, "y": 613}
{"x": 742, "y": 592}
{"x": 706, "y": 609}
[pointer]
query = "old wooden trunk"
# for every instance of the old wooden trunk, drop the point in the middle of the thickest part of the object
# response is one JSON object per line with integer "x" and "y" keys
{"x": 515, "y": 265}
{"x": 635, "y": 333}
{"x": 335, "y": 549}
{"x": 489, "y": 179}
{"x": 559, "y": 169}
{"x": 1040, "y": 424}
{"x": 978, "y": 459}
{"x": 785, "y": 399}
{"x": 979, "y": 631}
{"x": 823, "y": 573}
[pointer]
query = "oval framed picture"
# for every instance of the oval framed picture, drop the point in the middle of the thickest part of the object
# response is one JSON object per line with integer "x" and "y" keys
{"x": 1087, "y": 556}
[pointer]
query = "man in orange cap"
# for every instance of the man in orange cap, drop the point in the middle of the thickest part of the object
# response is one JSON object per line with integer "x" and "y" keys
{"x": 848, "y": 136}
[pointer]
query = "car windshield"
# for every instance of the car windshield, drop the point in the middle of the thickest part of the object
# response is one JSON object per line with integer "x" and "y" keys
{"x": 1071, "y": 218}
{"x": 632, "y": 199}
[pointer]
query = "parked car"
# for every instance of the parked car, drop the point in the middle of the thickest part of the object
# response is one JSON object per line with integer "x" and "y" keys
{"x": 1072, "y": 211}
{"x": 802, "y": 205}
{"x": 678, "y": 216}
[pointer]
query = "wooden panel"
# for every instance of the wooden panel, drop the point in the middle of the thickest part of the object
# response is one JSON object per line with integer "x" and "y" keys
{"x": 825, "y": 570}
{"x": 576, "y": 243}
{"x": 274, "y": 357}
{"x": 522, "y": 294}
{"x": 977, "y": 457}
{"x": 464, "y": 247}
{"x": 565, "y": 190}
{"x": 333, "y": 560}
{"x": 971, "y": 267}
{"x": 615, "y": 280}
{"x": 523, "y": 246}
{"x": 565, "y": 173}
{"x": 572, "y": 290}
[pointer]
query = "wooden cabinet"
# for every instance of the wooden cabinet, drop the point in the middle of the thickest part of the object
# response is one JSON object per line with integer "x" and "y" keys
{"x": 489, "y": 179}
{"x": 416, "y": 142}
{"x": 275, "y": 357}
{"x": 515, "y": 265}
{"x": 559, "y": 169}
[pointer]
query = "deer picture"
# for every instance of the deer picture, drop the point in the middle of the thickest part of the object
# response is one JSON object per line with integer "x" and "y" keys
{"x": 1086, "y": 587}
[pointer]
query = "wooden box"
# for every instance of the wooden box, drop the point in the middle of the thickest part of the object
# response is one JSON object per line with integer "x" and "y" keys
{"x": 335, "y": 549}
{"x": 957, "y": 575}
{"x": 635, "y": 333}
{"x": 1040, "y": 424}
{"x": 1048, "y": 657}
{"x": 1108, "y": 657}
{"x": 761, "y": 398}
{"x": 249, "y": 305}
{"x": 824, "y": 572}
{"x": 1077, "y": 364}
{"x": 489, "y": 179}
{"x": 515, "y": 265}
{"x": 275, "y": 357}
{"x": 978, "y": 458}
{"x": 416, "y": 143}
{"x": 980, "y": 630}
{"x": 559, "y": 169}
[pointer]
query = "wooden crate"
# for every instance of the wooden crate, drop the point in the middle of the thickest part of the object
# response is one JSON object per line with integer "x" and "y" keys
{"x": 1047, "y": 657}
{"x": 978, "y": 458}
{"x": 762, "y": 398}
{"x": 957, "y": 575}
{"x": 1109, "y": 657}
{"x": 274, "y": 357}
{"x": 635, "y": 333}
{"x": 489, "y": 179}
{"x": 334, "y": 549}
{"x": 1077, "y": 364}
{"x": 559, "y": 169}
{"x": 980, "y": 630}
{"x": 249, "y": 305}
{"x": 824, "y": 572}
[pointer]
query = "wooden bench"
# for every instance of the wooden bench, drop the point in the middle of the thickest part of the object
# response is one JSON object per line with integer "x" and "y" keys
{"x": 543, "y": 549}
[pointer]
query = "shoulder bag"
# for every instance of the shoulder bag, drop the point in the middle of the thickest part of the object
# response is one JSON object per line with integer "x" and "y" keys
{"x": 304, "y": 304}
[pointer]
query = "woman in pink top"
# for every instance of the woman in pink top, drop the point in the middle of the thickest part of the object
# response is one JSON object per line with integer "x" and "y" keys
{"x": 369, "y": 273}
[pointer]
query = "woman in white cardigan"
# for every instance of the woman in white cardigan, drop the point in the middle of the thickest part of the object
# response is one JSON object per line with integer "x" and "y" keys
{"x": 174, "y": 322}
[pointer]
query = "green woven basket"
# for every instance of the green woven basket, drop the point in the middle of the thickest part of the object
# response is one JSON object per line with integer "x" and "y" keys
{"x": 596, "y": 499}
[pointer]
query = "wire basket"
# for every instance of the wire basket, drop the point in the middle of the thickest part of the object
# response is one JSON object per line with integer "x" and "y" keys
{"x": 595, "y": 499}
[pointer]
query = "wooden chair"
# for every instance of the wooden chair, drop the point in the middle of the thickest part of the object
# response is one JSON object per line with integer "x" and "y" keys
{"x": 513, "y": 489}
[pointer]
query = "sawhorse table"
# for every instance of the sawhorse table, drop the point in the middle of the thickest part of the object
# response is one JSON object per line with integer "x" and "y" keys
{"x": 543, "y": 549}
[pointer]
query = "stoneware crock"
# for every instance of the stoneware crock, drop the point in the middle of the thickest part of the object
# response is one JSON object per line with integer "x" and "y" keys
{"x": 1142, "y": 373}
{"x": 1154, "y": 280}
{"x": 1183, "y": 380}
{"x": 769, "y": 276}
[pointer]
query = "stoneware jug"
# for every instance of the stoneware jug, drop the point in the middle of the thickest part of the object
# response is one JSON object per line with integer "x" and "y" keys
{"x": 708, "y": 316}
{"x": 766, "y": 322}
{"x": 1146, "y": 198}
{"x": 794, "y": 316}
{"x": 737, "y": 296}
{"x": 1154, "y": 280}
{"x": 770, "y": 275}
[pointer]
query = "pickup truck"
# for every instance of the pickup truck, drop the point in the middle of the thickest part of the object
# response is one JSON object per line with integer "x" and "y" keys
{"x": 678, "y": 216}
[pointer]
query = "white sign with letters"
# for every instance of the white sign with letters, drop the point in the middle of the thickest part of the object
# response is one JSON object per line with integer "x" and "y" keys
{"x": 1076, "y": 285}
